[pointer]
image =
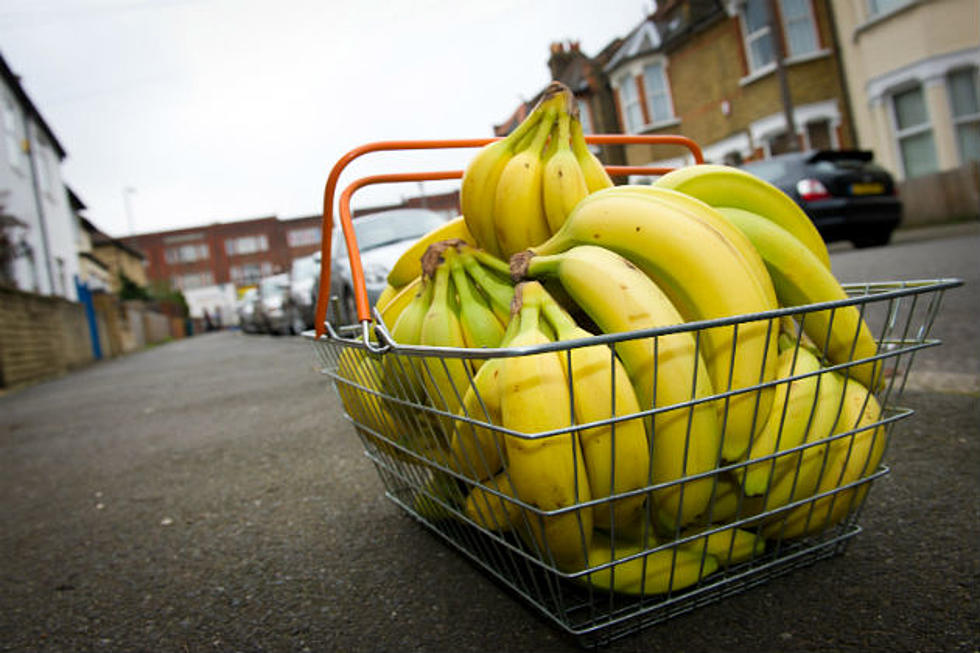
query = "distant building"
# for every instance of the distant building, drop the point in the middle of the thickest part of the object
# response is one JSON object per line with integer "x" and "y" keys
{"x": 240, "y": 253}
{"x": 40, "y": 231}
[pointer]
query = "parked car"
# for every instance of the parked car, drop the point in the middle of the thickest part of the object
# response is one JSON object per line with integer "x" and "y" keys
{"x": 273, "y": 307}
{"x": 304, "y": 280}
{"x": 246, "y": 311}
{"x": 845, "y": 194}
{"x": 381, "y": 239}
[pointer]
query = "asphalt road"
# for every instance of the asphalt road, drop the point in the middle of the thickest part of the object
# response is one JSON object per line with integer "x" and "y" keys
{"x": 206, "y": 495}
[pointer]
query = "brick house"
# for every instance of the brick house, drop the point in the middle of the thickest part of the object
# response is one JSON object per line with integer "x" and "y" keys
{"x": 709, "y": 70}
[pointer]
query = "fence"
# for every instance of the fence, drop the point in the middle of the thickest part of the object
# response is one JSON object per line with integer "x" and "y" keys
{"x": 43, "y": 336}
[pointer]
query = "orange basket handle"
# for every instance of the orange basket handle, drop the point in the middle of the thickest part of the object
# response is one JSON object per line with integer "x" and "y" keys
{"x": 346, "y": 222}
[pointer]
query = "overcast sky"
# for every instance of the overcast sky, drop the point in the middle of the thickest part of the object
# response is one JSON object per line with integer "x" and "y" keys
{"x": 222, "y": 110}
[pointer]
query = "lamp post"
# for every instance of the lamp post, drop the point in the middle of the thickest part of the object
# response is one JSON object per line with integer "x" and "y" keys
{"x": 128, "y": 192}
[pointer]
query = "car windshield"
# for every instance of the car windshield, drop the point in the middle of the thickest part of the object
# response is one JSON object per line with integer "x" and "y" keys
{"x": 389, "y": 228}
{"x": 272, "y": 284}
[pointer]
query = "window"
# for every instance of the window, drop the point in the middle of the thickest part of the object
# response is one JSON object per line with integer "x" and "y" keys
{"x": 11, "y": 132}
{"x": 250, "y": 273}
{"x": 187, "y": 253}
{"x": 879, "y": 7}
{"x": 914, "y": 132}
{"x": 300, "y": 237}
{"x": 193, "y": 280}
{"x": 801, "y": 35}
{"x": 629, "y": 99}
{"x": 818, "y": 135}
{"x": 584, "y": 115}
{"x": 964, "y": 101}
{"x": 247, "y": 244}
{"x": 799, "y": 30}
{"x": 758, "y": 36}
{"x": 657, "y": 92}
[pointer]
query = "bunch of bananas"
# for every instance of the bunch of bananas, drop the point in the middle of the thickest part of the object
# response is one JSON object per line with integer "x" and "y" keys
{"x": 519, "y": 190}
{"x": 615, "y": 443}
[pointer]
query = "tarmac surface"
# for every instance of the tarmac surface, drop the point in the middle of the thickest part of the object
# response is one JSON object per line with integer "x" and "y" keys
{"x": 207, "y": 495}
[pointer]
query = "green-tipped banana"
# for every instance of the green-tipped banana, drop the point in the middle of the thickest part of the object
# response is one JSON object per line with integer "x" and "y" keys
{"x": 705, "y": 275}
{"x": 481, "y": 328}
{"x": 619, "y": 297}
{"x": 445, "y": 378}
{"x": 720, "y": 185}
{"x": 799, "y": 279}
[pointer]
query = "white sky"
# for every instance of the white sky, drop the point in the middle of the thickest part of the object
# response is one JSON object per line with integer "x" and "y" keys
{"x": 222, "y": 110}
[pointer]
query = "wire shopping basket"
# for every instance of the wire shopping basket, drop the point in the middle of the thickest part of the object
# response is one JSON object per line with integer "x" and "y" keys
{"x": 645, "y": 571}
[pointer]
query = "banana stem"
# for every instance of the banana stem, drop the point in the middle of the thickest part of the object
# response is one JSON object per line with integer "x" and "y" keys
{"x": 564, "y": 136}
{"x": 560, "y": 321}
{"x": 489, "y": 260}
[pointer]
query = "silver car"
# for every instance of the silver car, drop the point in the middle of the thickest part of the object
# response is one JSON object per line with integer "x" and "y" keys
{"x": 381, "y": 239}
{"x": 272, "y": 308}
{"x": 304, "y": 279}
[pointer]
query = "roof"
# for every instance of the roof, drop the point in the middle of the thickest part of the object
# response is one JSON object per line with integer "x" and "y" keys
{"x": 13, "y": 81}
{"x": 99, "y": 238}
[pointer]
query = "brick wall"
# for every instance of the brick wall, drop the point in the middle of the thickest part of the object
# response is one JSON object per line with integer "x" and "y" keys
{"x": 40, "y": 337}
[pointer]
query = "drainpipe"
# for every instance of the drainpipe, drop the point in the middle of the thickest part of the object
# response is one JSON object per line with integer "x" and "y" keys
{"x": 39, "y": 204}
{"x": 776, "y": 29}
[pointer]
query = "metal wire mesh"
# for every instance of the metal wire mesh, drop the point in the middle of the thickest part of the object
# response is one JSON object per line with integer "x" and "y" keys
{"x": 405, "y": 424}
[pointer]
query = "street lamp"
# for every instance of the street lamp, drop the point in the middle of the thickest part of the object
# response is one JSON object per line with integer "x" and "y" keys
{"x": 128, "y": 192}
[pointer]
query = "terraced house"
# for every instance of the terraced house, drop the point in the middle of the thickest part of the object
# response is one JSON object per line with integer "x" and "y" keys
{"x": 745, "y": 79}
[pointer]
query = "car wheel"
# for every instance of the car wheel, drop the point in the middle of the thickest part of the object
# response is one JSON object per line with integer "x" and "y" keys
{"x": 873, "y": 240}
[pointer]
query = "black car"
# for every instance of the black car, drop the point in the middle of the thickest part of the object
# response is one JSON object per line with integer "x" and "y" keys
{"x": 846, "y": 195}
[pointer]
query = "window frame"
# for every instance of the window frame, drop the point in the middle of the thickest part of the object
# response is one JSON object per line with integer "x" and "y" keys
{"x": 969, "y": 118}
{"x": 649, "y": 97}
{"x": 901, "y": 134}
{"x": 624, "y": 80}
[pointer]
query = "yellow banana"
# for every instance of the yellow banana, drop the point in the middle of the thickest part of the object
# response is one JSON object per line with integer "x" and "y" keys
{"x": 438, "y": 497}
{"x": 408, "y": 266}
{"x": 518, "y": 210}
{"x": 705, "y": 276}
{"x": 708, "y": 213}
{"x": 720, "y": 185}
{"x": 657, "y": 572}
{"x": 792, "y": 410}
{"x": 728, "y": 546}
{"x": 481, "y": 176}
{"x": 386, "y": 296}
{"x": 477, "y": 450}
{"x": 596, "y": 177}
{"x": 617, "y": 456}
{"x": 619, "y": 297}
{"x": 799, "y": 279}
{"x": 849, "y": 459}
{"x": 563, "y": 183}
{"x": 498, "y": 291}
{"x": 492, "y": 511}
{"x": 548, "y": 472}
